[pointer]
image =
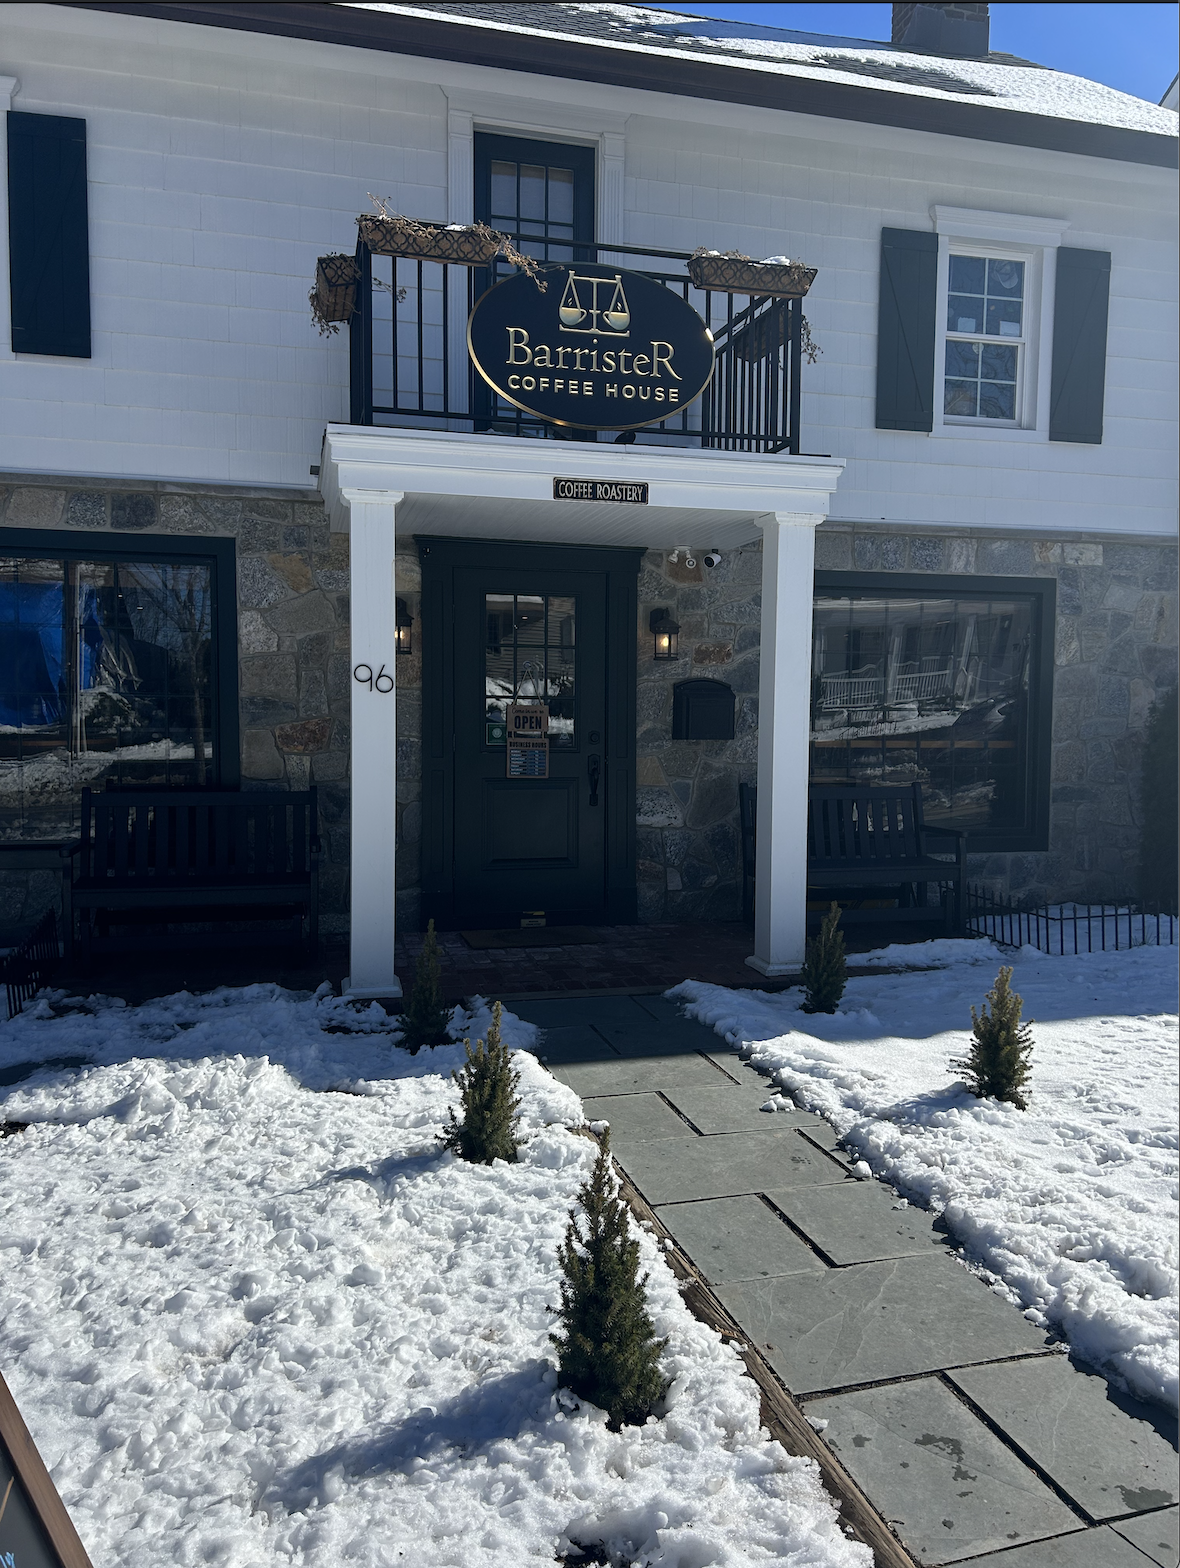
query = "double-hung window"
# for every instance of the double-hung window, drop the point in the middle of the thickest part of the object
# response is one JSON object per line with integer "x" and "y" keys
{"x": 986, "y": 346}
{"x": 990, "y": 327}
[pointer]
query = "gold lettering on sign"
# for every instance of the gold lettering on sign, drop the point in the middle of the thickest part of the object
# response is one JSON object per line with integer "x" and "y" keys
{"x": 518, "y": 338}
{"x": 659, "y": 359}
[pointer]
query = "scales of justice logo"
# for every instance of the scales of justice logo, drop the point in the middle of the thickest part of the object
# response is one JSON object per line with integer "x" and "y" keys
{"x": 582, "y": 311}
{"x": 591, "y": 347}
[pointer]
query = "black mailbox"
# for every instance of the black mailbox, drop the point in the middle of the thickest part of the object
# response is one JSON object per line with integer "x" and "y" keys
{"x": 702, "y": 710}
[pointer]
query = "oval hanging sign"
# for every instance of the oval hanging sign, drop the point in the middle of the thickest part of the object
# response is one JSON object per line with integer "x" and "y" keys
{"x": 599, "y": 349}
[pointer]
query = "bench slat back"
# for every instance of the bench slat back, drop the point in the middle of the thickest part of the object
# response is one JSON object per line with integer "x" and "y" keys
{"x": 177, "y": 836}
{"x": 854, "y": 827}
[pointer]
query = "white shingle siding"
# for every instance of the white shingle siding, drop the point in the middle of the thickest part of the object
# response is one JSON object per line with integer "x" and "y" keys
{"x": 222, "y": 163}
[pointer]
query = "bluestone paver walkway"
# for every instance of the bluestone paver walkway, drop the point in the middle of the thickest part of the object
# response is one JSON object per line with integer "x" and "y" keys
{"x": 972, "y": 1435}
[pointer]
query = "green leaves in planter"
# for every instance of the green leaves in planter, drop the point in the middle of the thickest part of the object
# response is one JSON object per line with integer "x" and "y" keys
{"x": 998, "y": 1062}
{"x": 487, "y": 1089}
{"x": 825, "y": 973}
{"x": 426, "y": 1021}
{"x": 607, "y": 1350}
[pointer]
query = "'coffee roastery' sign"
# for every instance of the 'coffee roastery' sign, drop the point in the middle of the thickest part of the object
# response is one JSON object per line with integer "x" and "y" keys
{"x": 596, "y": 349}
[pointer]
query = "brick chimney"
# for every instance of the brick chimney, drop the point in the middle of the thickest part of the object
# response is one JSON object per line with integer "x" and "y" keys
{"x": 960, "y": 31}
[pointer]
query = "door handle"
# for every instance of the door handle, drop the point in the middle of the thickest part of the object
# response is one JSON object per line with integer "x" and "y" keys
{"x": 594, "y": 772}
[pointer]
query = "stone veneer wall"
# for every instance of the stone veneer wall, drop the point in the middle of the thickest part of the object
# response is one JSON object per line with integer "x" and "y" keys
{"x": 1115, "y": 653}
{"x": 689, "y": 848}
{"x": 293, "y": 640}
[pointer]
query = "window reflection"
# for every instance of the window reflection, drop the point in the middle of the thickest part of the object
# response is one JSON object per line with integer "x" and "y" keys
{"x": 529, "y": 657}
{"x": 926, "y": 690}
{"x": 105, "y": 674}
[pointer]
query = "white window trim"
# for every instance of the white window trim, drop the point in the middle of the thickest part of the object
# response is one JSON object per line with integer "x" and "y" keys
{"x": 9, "y": 87}
{"x": 963, "y": 231}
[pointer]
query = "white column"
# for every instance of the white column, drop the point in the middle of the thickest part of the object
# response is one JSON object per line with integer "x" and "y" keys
{"x": 784, "y": 716}
{"x": 374, "y": 741}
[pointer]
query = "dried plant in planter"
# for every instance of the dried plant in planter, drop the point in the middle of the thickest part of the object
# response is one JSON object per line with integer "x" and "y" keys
{"x": 333, "y": 299}
{"x": 389, "y": 233}
{"x": 736, "y": 273}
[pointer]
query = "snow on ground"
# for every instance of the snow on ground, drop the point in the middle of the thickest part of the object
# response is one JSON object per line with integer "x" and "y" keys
{"x": 1070, "y": 1206}
{"x": 254, "y": 1316}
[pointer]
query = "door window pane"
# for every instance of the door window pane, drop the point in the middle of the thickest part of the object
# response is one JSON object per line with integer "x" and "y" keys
{"x": 105, "y": 675}
{"x": 529, "y": 657}
{"x": 927, "y": 690}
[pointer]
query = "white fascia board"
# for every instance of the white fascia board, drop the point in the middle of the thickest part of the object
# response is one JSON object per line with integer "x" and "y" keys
{"x": 1005, "y": 228}
{"x": 690, "y": 491}
{"x": 592, "y": 101}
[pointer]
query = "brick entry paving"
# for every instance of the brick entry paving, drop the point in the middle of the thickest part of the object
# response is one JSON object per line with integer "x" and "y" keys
{"x": 973, "y": 1437}
{"x": 623, "y": 958}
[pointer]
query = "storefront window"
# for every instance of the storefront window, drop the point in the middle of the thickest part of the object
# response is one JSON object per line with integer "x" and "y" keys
{"x": 935, "y": 688}
{"x": 107, "y": 672}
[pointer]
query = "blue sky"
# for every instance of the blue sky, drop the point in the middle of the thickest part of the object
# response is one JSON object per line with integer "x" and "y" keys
{"x": 1131, "y": 47}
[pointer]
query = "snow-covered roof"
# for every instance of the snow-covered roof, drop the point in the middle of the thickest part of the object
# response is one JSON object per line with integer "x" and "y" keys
{"x": 998, "y": 81}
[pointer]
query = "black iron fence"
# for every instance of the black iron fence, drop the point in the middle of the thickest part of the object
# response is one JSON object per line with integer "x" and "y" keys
{"x": 410, "y": 366}
{"x": 28, "y": 968}
{"x": 1067, "y": 928}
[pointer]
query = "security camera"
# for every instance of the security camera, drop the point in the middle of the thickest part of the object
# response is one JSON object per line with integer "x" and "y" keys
{"x": 712, "y": 558}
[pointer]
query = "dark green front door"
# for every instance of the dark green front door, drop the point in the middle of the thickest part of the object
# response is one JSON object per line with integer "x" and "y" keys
{"x": 554, "y": 629}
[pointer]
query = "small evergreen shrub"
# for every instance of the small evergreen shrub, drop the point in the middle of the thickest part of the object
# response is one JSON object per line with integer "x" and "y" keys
{"x": 607, "y": 1350}
{"x": 487, "y": 1089}
{"x": 427, "y": 1019}
{"x": 1158, "y": 849}
{"x": 825, "y": 972}
{"x": 998, "y": 1062}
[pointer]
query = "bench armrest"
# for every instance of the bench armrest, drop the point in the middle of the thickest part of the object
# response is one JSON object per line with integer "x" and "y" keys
{"x": 68, "y": 850}
{"x": 314, "y": 845}
{"x": 959, "y": 847}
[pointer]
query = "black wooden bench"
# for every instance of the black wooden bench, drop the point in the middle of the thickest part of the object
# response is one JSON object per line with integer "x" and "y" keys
{"x": 154, "y": 858}
{"x": 864, "y": 841}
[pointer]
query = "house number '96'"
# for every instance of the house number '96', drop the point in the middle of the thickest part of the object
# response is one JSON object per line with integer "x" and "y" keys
{"x": 364, "y": 674}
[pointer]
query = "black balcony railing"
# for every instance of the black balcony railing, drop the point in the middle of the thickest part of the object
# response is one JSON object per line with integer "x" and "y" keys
{"x": 410, "y": 365}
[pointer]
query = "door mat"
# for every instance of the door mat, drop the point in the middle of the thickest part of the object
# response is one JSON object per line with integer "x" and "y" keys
{"x": 533, "y": 936}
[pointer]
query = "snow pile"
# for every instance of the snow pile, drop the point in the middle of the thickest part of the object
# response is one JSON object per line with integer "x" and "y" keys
{"x": 254, "y": 1315}
{"x": 1072, "y": 1205}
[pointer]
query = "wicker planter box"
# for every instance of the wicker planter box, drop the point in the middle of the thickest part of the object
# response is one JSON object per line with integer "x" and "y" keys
{"x": 336, "y": 279}
{"x": 735, "y": 275}
{"x": 468, "y": 247}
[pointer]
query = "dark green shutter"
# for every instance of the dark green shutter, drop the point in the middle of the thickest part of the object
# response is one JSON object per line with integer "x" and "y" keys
{"x": 905, "y": 330}
{"x": 48, "y": 235}
{"x": 1079, "y": 345}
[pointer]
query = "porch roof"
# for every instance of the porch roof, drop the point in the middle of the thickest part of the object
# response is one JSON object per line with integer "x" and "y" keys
{"x": 490, "y": 487}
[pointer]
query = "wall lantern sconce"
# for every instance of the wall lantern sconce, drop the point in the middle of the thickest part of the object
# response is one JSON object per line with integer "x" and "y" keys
{"x": 403, "y": 629}
{"x": 665, "y": 631}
